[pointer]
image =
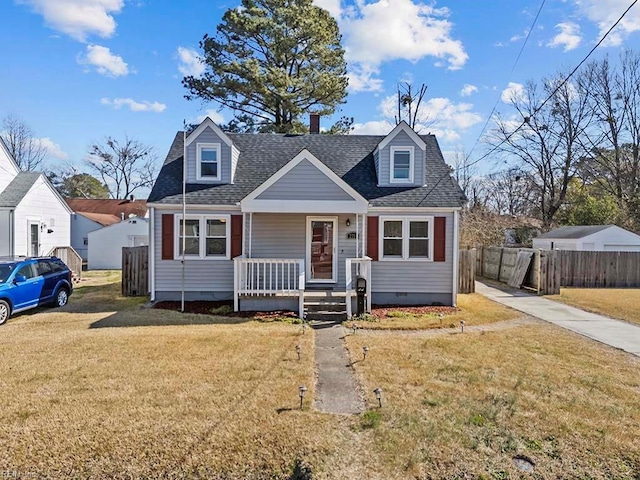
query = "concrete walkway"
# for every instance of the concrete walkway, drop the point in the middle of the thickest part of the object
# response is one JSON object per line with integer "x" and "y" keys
{"x": 615, "y": 333}
{"x": 337, "y": 389}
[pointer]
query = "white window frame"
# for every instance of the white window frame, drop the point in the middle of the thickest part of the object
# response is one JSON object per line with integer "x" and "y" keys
{"x": 392, "y": 159}
{"x": 405, "y": 238}
{"x": 208, "y": 146}
{"x": 203, "y": 238}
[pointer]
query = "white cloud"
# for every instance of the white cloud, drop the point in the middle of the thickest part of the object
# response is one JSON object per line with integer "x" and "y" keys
{"x": 105, "y": 62}
{"x": 134, "y": 106}
{"x": 333, "y": 6}
{"x": 383, "y": 30}
{"x": 514, "y": 91}
{"x": 190, "y": 62}
{"x": 364, "y": 79}
{"x": 468, "y": 90}
{"x": 53, "y": 149}
{"x": 376, "y": 127}
{"x": 569, "y": 36}
{"x": 78, "y": 18}
{"x": 214, "y": 115}
{"x": 604, "y": 13}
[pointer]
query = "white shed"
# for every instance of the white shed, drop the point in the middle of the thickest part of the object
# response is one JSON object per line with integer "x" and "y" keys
{"x": 589, "y": 237}
{"x": 105, "y": 244}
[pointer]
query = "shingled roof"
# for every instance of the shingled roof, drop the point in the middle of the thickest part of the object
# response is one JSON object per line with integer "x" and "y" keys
{"x": 349, "y": 156}
{"x": 573, "y": 232}
{"x": 108, "y": 206}
{"x": 18, "y": 188}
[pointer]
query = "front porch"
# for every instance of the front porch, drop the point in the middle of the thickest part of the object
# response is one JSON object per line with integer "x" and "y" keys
{"x": 290, "y": 259}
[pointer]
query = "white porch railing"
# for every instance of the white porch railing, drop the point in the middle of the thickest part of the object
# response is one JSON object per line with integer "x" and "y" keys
{"x": 357, "y": 267}
{"x": 268, "y": 277}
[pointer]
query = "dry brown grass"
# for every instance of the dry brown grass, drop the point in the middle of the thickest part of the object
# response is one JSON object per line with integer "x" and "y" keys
{"x": 473, "y": 308}
{"x": 156, "y": 395}
{"x": 622, "y": 303}
{"x": 463, "y": 405}
{"x": 107, "y": 389}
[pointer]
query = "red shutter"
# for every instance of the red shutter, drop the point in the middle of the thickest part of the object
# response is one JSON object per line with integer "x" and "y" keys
{"x": 236, "y": 236}
{"x": 439, "y": 239}
{"x": 167, "y": 237}
{"x": 372, "y": 238}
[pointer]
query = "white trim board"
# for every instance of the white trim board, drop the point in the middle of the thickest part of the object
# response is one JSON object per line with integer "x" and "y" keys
{"x": 208, "y": 123}
{"x": 251, "y": 203}
{"x": 404, "y": 127}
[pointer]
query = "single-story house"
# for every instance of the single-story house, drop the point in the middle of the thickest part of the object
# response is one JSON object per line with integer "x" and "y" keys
{"x": 92, "y": 214}
{"x": 589, "y": 237}
{"x": 105, "y": 244}
{"x": 34, "y": 219}
{"x": 270, "y": 217}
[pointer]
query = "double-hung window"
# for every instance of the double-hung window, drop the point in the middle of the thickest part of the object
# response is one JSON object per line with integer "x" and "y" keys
{"x": 205, "y": 236}
{"x": 401, "y": 168}
{"x": 208, "y": 158}
{"x": 406, "y": 238}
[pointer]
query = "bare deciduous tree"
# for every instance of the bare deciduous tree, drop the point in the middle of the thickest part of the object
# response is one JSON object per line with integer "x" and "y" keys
{"x": 123, "y": 166}
{"x": 24, "y": 146}
{"x": 409, "y": 102}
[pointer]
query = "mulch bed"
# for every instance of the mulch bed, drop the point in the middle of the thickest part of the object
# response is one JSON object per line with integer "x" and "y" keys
{"x": 205, "y": 308}
{"x": 382, "y": 311}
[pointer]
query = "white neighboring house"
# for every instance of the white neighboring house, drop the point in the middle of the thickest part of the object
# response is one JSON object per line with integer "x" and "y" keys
{"x": 609, "y": 238}
{"x": 105, "y": 244}
{"x": 33, "y": 216}
{"x": 82, "y": 224}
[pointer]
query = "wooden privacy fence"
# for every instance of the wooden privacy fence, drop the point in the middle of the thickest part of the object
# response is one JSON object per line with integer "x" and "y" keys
{"x": 538, "y": 270}
{"x": 135, "y": 271}
{"x": 467, "y": 271}
{"x": 599, "y": 269}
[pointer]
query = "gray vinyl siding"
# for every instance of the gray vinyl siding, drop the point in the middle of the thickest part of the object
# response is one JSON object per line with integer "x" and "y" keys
{"x": 283, "y": 235}
{"x": 416, "y": 277}
{"x": 209, "y": 136}
{"x": 201, "y": 275}
{"x": 384, "y": 162}
{"x": 305, "y": 182}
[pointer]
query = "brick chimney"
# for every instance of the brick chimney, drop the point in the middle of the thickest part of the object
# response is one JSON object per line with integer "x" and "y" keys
{"x": 314, "y": 123}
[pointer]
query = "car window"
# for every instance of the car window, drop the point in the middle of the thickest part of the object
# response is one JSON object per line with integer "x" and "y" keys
{"x": 44, "y": 267}
{"x": 58, "y": 266}
{"x": 5, "y": 271}
{"x": 27, "y": 270}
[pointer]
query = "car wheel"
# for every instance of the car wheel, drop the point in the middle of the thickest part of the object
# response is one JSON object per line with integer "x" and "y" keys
{"x": 5, "y": 312}
{"x": 62, "y": 298}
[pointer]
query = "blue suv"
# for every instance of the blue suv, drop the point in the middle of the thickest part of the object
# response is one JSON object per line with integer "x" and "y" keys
{"x": 29, "y": 282}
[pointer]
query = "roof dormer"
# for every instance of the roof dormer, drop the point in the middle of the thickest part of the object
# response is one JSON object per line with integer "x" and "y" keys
{"x": 210, "y": 155}
{"x": 400, "y": 158}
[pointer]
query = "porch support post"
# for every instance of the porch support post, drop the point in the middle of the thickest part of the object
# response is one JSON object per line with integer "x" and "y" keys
{"x": 236, "y": 274}
{"x": 364, "y": 234}
{"x": 250, "y": 231}
{"x": 369, "y": 286}
{"x": 301, "y": 285}
{"x": 349, "y": 286}
{"x": 244, "y": 234}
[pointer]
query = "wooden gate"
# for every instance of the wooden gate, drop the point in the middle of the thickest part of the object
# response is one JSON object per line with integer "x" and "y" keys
{"x": 135, "y": 271}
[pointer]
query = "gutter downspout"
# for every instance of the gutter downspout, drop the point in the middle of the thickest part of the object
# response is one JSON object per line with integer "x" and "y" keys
{"x": 184, "y": 207}
{"x": 456, "y": 247}
{"x": 152, "y": 255}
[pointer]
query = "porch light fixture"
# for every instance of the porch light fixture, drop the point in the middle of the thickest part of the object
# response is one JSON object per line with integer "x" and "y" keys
{"x": 378, "y": 392}
{"x": 348, "y": 222}
{"x": 303, "y": 391}
{"x": 298, "y": 351}
{"x": 462, "y": 326}
{"x": 365, "y": 350}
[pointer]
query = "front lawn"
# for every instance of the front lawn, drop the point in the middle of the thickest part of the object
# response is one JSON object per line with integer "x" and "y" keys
{"x": 465, "y": 405}
{"x": 622, "y": 303}
{"x": 106, "y": 389}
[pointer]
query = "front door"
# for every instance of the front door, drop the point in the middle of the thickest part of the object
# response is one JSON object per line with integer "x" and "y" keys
{"x": 321, "y": 249}
{"x": 34, "y": 239}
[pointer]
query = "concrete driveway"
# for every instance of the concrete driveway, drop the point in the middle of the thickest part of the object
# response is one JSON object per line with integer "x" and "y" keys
{"x": 616, "y": 333}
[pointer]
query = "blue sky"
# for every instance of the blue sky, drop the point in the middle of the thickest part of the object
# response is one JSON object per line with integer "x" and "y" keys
{"x": 77, "y": 70}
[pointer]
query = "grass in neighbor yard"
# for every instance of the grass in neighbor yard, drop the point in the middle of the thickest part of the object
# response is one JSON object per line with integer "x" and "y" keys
{"x": 464, "y": 405}
{"x": 622, "y": 303}
{"x": 473, "y": 308}
{"x": 106, "y": 389}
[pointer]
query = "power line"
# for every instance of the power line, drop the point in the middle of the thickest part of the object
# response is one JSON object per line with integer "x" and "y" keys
{"x": 549, "y": 97}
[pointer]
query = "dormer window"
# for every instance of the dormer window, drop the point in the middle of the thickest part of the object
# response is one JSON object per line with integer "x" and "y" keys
{"x": 208, "y": 158}
{"x": 401, "y": 165}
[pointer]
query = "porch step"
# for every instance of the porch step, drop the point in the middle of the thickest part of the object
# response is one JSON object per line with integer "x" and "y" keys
{"x": 325, "y": 306}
